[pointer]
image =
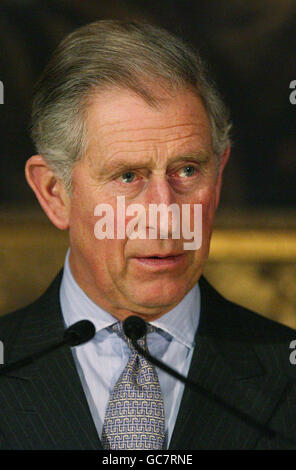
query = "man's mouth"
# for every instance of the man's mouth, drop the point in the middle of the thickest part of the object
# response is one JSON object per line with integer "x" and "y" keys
{"x": 161, "y": 260}
{"x": 161, "y": 255}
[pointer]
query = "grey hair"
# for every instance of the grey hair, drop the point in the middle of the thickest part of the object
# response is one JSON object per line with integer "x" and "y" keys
{"x": 114, "y": 53}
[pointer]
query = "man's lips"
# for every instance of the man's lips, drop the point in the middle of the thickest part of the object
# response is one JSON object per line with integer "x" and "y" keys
{"x": 160, "y": 260}
{"x": 160, "y": 255}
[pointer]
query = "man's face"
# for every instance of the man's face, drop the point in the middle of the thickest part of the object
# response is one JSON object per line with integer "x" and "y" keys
{"x": 149, "y": 155}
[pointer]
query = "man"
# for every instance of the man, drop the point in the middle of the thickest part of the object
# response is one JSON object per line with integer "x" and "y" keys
{"x": 124, "y": 113}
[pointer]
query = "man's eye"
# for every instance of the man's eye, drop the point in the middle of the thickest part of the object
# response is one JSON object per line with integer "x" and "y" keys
{"x": 127, "y": 177}
{"x": 188, "y": 170}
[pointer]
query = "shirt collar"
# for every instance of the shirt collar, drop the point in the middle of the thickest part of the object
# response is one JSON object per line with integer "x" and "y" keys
{"x": 181, "y": 322}
{"x": 76, "y": 305}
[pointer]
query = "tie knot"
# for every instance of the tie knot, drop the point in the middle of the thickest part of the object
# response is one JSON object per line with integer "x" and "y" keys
{"x": 118, "y": 329}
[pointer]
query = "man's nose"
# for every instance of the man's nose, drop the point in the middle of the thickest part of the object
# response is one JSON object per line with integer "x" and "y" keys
{"x": 159, "y": 191}
{"x": 160, "y": 203}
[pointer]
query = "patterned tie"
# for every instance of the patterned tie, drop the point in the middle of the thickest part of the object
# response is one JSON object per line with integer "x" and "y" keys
{"x": 135, "y": 415}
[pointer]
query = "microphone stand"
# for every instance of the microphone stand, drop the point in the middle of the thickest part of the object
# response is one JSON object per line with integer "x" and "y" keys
{"x": 29, "y": 359}
{"x": 205, "y": 393}
{"x": 78, "y": 333}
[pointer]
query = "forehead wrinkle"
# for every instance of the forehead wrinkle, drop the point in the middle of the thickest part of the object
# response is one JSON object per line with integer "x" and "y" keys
{"x": 140, "y": 136}
{"x": 122, "y": 138}
{"x": 150, "y": 140}
{"x": 121, "y": 163}
{"x": 103, "y": 119}
{"x": 128, "y": 146}
{"x": 165, "y": 133}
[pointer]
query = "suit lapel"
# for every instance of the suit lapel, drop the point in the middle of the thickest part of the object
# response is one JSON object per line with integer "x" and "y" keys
{"x": 60, "y": 417}
{"x": 225, "y": 363}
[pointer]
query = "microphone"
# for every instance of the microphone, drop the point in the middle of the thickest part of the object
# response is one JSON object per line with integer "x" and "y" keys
{"x": 135, "y": 328}
{"x": 78, "y": 333}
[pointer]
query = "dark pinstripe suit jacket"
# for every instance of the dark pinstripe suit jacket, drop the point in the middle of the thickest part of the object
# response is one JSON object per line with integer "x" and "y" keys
{"x": 239, "y": 355}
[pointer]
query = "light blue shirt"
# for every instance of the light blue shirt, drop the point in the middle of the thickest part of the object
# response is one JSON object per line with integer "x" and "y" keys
{"x": 101, "y": 361}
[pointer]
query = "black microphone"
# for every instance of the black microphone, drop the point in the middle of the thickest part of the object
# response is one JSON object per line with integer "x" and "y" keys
{"x": 135, "y": 328}
{"x": 78, "y": 333}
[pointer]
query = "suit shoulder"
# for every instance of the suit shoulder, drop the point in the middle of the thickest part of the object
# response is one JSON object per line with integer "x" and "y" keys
{"x": 257, "y": 322}
{"x": 11, "y": 323}
{"x": 27, "y": 317}
{"x": 237, "y": 317}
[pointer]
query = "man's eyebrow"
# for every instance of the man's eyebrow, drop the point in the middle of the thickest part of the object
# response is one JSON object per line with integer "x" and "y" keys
{"x": 121, "y": 164}
{"x": 199, "y": 157}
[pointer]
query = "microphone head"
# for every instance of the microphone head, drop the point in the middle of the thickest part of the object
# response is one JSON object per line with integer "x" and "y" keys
{"x": 79, "y": 333}
{"x": 134, "y": 327}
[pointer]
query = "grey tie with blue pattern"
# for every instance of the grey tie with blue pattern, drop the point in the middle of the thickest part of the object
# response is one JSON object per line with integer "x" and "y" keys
{"x": 134, "y": 417}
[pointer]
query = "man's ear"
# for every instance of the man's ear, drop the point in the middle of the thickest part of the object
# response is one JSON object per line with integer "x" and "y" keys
{"x": 49, "y": 190}
{"x": 223, "y": 160}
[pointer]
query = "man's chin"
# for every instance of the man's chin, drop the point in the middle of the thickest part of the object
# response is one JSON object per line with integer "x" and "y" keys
{"x": 157, "y": 303}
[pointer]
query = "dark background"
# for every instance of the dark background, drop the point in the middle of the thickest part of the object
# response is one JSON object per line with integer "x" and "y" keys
{"x": 249, "y": 44}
